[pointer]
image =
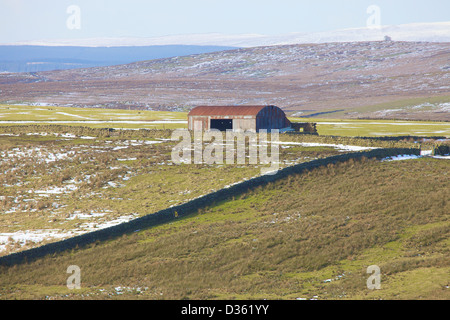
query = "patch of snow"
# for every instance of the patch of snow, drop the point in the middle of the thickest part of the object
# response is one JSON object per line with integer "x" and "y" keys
{"x": 426, "y": 152}
{"x": 401, "y": 157}
{"x": 340, "y": 147}
{"x": 72, "y": 115}
{"x": 442, "y": 157}
{"x": 120, "y": 147}
{"x": 86, "y": 215}
{"x": 37, "y": 236}
{"x": 431, "y": 32}
{"x": 55, "y": 190}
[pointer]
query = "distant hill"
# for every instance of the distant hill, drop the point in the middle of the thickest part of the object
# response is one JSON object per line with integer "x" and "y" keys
{"x": 378, "y": 79}
{"x": 427, "y": 32}
{"x": 30, "y": 58}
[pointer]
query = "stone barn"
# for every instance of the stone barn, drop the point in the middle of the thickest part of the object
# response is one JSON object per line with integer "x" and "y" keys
{"x": 236, "y": 118}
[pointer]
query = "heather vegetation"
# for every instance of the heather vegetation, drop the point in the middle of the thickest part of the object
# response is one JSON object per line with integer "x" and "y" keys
{"x": 311, "y": 235}
{"x": 59, "y": 181}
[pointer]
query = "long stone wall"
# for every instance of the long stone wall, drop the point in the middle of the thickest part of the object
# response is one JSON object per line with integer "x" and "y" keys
{"x": 175, "y": 212}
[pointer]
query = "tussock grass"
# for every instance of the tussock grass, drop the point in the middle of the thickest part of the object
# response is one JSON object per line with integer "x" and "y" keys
{"x": 51, "y": 175}
{"x": 312, "y": 234}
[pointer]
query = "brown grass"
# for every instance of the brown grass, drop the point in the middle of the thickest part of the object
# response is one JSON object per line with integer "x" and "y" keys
{"x": 280, "y": 241}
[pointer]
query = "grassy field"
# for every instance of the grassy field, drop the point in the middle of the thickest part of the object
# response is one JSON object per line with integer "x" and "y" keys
{"x": 135, "y": 119}
{"x": 309, "y": 236}
{"x": 53, "y": 113}
{"x": 377, "y": 128}
{"x": 91, "y": 117}
{"x": 58, "y": 181}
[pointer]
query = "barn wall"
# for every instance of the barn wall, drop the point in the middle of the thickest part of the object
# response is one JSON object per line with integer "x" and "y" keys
{"x": 239, "y": 122}
{"x": 244, "y": 124}
{"x": 198, "y": 123}
{"x": 269, "y": 117}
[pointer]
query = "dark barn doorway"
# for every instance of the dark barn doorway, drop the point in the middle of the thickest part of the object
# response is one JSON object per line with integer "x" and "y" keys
{"x": 221, "y": 124}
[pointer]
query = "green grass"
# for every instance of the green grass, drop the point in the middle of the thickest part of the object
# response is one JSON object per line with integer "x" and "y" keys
{"x": 377, "y": 128}
{"x": 78, "y": 116}
{"x": 50, "y": 113}
{"x": 136, "y": 180}
{"x": 134, "y": 119}
{"x": 282, "y": 241}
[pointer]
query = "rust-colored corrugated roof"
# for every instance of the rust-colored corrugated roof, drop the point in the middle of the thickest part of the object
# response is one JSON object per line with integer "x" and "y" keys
{"x": 244, "y": 110}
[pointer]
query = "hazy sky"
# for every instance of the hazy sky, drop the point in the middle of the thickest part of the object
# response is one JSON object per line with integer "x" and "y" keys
{"x": 23, "y": 20}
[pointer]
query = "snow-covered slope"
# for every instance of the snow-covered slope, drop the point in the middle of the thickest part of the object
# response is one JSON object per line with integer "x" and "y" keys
{"x": 431, "y": 32}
